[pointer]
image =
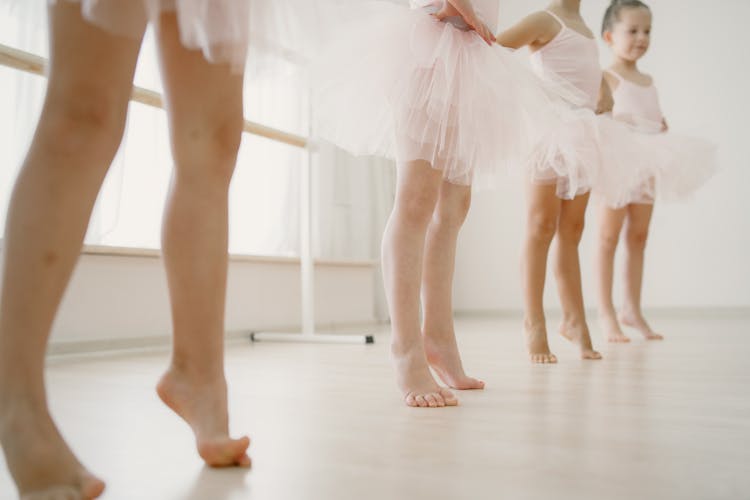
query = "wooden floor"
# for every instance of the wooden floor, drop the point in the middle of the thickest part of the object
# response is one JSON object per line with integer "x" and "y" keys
{"x": 651, "y": 421}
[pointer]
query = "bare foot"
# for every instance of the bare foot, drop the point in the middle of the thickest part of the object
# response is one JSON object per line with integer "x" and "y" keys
{"x": 536, "y": 342}
{"x": 42, "y": 465}
{"x": 203, "y": 405}
{"x": 416, "y": 382}
{"x": 638, "y": 322}
{"x": 578, "y": 333}
{"x": 443, "y": 356}
{"x": 612, "y": 329}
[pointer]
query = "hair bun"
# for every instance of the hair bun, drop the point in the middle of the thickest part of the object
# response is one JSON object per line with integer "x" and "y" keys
{"x": 613, "y": 11}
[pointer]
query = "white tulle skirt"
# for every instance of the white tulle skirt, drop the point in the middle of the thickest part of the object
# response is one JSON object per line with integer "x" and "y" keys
{"x": 397, "y": 83}
{"x": 590, "y": 152}
{"x": 224, "y": 30}
{"x": 686, "y": 164}
{"x": 676, "y": 165}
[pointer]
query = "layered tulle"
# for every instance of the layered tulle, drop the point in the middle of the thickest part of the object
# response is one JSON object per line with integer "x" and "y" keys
{"x": 226, "y": 31}
{"x": 400, "y": 84}
{"x": 588, "y": 152}
{"x": 675, "y": 166}
{"x": 679, "y": 164}
{"x": 689, "y": 164}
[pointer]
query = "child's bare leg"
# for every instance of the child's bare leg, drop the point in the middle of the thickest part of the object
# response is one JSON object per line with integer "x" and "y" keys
{"x": 82, "y": 121}
{"x": 403, "y": 254}
{"x": 568, "y": 273}
{"x": 610, "y": 227}
{"x": 437, "y": 286}
{"x": 541, "y": 224}
{"x": 204, "y": 105}
{"x": 636, "y": 234}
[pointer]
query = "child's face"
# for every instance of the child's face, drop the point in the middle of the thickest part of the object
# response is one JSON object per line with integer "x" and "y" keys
{"x": 631, "y": 35}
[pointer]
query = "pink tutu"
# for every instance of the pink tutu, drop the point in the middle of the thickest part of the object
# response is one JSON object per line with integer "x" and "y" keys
{"x": 593, "y": 152}
{"x": 687, "y": 164}
{"x": 224, "y": 30}
{"x": 589, "y": 152}
{"x": 678, "y": 164}
{"x": 397, "y": 83}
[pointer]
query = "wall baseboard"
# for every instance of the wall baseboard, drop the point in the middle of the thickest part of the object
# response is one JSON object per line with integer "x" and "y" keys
{"x": 163, "y": 343}
{"x": 656, "y": 312}
{"x": 120, "y": 300}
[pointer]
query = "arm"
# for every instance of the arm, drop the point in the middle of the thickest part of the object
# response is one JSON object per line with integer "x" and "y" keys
{"x": 536, "y": 29}
{"x": 464, "y": 9}
{"x": 606, "y": 101}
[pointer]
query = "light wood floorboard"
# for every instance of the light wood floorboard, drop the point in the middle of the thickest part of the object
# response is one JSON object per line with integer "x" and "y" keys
{"x": 651, "y": 421}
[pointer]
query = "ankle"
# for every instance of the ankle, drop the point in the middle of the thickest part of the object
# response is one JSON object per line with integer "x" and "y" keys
{"x": 534, "y": 323}
{"x": 21, "y": 414}
{"x": 406, "y": 347}
{"x": 21, "y": 398}
{"x": 194, "y": 373}
{"x": 573, "y": 322}
{"x": 436, "y": 333}
{"x": 607, "y": 315}
{"x": 630, "y": 313}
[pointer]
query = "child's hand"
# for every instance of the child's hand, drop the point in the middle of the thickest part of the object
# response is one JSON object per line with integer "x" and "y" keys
{"x": 483, "y": 31}
{"x": 664, "y": 125}
{"x": 468, "y": 15}
{"x": 447, "y": 11}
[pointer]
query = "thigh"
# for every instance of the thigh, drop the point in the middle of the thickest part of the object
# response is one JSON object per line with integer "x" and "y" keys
{"x": 91, "y": 70}
{"x": 573, "y": 212}
{"x": 542, "y": 202}
{"x": 611, "y": 221}
{"x": 204, "y": 99}
{"x": 639, "y": 217}
{"x": 454, "y": 197}
{"x": 418, "y": 184}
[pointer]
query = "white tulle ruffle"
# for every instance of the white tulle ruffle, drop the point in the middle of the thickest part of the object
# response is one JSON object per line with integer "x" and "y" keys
{"x": 397, "y": 83}
{"x": 224, "y": 30}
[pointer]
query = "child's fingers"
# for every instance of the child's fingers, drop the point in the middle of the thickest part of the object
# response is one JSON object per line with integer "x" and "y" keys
{"x": 486, "y": 34}
{"x": 442, "y": 13}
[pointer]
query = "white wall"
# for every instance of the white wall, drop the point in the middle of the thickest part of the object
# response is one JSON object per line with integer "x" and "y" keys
{"x": 699, "y": 253}
{"x": 122, "y": 301}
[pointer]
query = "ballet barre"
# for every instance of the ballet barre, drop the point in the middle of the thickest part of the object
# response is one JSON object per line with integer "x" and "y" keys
{"x": 37, "y": 65}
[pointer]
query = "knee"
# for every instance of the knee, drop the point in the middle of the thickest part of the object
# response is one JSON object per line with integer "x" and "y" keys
{"x": 542, "y": 227}
{"x": 83, "y": 120}
{"x": 207, "y": 149}
{"x": 572, "y": 231}
{"x": 415, "y": 208}
{"x": 608, "y": 241}
{"x": 636, "y": 237}
{"x": 453, "y": 214}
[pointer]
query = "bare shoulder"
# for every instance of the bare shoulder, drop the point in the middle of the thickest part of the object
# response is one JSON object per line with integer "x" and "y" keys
{"x": 544, "y": 20}
{"x": 640, "y": 78}
{"x": 534, "y": 30}
{"x": 545, "y": 25}
{"x": 612, "y": 78}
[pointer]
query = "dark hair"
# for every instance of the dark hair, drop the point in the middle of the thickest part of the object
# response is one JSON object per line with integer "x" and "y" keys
{"x": 612, "y": 15}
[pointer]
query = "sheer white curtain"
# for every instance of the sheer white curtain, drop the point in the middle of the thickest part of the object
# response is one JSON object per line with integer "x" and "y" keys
{"x": 352, "y": 196}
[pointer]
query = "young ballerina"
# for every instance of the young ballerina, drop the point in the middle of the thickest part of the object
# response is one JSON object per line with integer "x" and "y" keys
{"x": 425, "y": 87}
{"x": 563, "y": 49}
{"x": 93, "y": 53}
{"x": 683, "y": 165}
